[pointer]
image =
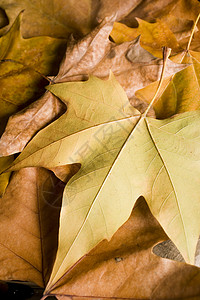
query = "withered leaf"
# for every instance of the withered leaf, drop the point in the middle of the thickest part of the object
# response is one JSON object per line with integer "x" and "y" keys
{"x": 150, "y": 11}
{"x": 56, "y": 18}
{"x": 33, "y": 54}
{"x": 122, "y": 157}
{"x": 22, "y": 126}
{"x": 29, "y": 220}
{"x": 154, "y": 36}
{"x": 132, "y": 65}
{"x": 180, "y": 94}
{"x": 126, "y": 268}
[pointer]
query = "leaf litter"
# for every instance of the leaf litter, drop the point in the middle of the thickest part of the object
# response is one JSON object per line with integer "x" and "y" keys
{"x": 116, "y": 154}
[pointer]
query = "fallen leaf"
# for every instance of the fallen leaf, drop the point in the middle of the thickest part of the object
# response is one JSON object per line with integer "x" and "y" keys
{"x": 119, "y": 8}
{"x": 181, "y": 28}
{"x": 133, "y": 66}
{"x": 34, "y": 55}
{"x": 180, "y": 94}
{"x": 185, "y": 9}
{"x": 154, "y": 36}
{"x": 52, "y": 18}
{"x": 29, "y": 225}
{"x": 116, "y": 269}
{"x": 150, "y": 11}
{"x": 177, "y": 15}
{"x": 148, "y": 157}
{"x": 21, "y": 127}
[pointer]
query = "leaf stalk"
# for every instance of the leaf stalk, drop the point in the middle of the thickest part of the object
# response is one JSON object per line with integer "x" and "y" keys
{"x": 166, "y": 54}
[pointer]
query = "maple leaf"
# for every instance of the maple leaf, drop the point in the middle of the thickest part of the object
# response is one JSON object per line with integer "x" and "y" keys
{"x": 133, "y": 66}
{"x": 144, "y": 154}
{"x": 154, "y": 36}
{"x": 52, "y": 18}
{"x": 30, "y": 54}
{"x": 29, "y": 225}
{"x": 22, "y": 126}
{"x": 116, "y": 269}
{"x": 120, "y": 154}
{"x": 180, "y": 94}
{"x": 150, "y": 11}
{"x": 33, "y": 55}
{"x": 37, "y": 198}
{"x": 129, "y": 59}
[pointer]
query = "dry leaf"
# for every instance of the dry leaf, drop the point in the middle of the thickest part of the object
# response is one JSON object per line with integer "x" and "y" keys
{"x": 154, "y": 36}
{"x": 33, "y": 54}
{"x": 126, "y": 268}
{"x": 121, "y": 157}
{"x": 132, "y": 65}
{"x": 56, "y": 18}
{"x": 36, "y": 54}
{"x": 22, "y": 126}
{"x": 119, "y": 8}
{"x": 180, "y": 94}
{"x": 29, "y": 225}
{"x": 151, "y": 10}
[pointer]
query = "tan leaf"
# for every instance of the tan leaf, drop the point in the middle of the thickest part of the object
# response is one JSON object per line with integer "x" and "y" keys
{"x": 180, "y": 94}
{"x": 29, "y": 225}
{"x": 151, "y": 10}
{"x": 133, "y": 66}
{"x": 22, "y": 126}
{"x": 122, "y": 157}
{"x": 56, "y": 18}
{"x": 119, "y": 8}
{"x": 154, "y": 36}
{"x": 126, "y": 268}
{"x": 33, "y": 54}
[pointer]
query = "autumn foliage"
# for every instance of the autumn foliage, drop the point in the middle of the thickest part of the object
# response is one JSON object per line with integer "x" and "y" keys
{"x": 100, "y": 147}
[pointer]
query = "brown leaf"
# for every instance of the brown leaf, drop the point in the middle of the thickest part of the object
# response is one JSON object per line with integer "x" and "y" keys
{"x": 29, "y": 225}
{"x": 133, "y": 66}
{"x": 154, "y": 36}
{"x": 119, "y": 8}
{"x": 151, "y": 10}
{"x": 56, "y": 18}
{"x": 22, "y": 126}
{"x": 125, "y": 267}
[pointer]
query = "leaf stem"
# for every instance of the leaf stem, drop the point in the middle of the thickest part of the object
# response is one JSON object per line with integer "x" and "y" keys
{"x": 166, "y": 54}
{"x": 26, "y": 66}
{"x": 192, "y": 33}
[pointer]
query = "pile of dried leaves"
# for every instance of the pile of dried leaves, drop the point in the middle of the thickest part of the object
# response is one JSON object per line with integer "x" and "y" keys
{"x": 109, "y": 133}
